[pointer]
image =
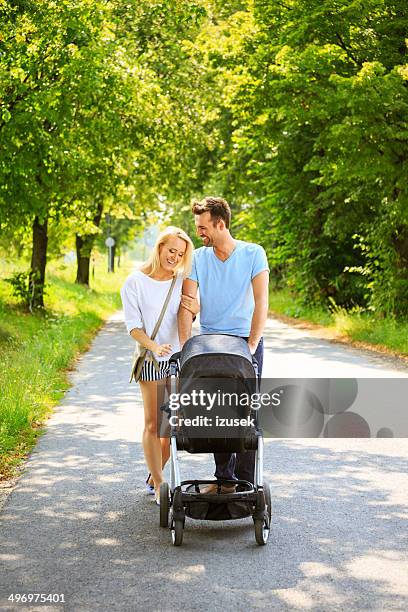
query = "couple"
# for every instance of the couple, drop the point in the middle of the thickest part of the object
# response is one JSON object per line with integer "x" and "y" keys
{"x": 232, "y": 278}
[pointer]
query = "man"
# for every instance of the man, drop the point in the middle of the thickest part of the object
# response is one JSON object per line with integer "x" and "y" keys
{"x": 232, "y": 277}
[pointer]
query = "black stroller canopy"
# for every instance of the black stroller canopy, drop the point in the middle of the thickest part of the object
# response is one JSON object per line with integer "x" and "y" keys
{"x": 217, "y": 365}
{"x": 217, "y": 354}
{"x": 206, "y": 344}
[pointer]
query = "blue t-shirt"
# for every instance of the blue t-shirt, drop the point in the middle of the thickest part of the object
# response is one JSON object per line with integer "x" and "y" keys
{"x": 226, "y": 296}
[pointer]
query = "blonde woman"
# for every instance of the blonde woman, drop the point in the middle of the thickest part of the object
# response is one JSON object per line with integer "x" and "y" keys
{"x": 143, "y": 296}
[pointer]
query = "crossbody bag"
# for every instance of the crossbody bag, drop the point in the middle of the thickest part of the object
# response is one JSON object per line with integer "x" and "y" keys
{"x": 140, "y": 358}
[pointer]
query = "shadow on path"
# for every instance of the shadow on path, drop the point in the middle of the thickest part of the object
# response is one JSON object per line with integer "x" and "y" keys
{"x": 79, "y": 521}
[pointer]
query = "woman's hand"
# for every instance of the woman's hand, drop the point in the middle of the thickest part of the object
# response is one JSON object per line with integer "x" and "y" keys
{"x": 190, "y": 303}
{"x": 162, "y": 349}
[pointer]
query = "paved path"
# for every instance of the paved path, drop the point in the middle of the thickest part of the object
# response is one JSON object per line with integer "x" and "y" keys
{"x": 79, "y": 523}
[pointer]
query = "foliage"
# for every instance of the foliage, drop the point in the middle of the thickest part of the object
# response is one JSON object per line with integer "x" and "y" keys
{"x": 295, "y": 111}
{"x": 25, "y": 286}
{"x": 91, "y": 109}
{"x": 313, "y": 99}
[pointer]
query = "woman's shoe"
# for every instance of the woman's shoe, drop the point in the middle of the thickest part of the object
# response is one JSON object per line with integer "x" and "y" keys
{"x": 149, "y": 487}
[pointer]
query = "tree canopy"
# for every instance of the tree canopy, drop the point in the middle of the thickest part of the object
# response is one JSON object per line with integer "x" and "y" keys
{"x": 294, "y": 111}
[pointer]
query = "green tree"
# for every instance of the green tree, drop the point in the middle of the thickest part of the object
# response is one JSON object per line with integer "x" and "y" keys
{"x": 312, "y": 100}
{"x": 95, "y": 114}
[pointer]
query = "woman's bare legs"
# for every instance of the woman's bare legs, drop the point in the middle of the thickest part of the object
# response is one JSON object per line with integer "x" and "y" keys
{"x": 165, "y": 455}
{"x": 156, "y": 450}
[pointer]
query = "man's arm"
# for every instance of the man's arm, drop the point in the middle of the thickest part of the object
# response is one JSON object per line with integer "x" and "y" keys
{"x": 185, "y": 317}
{"x": 260, "y": 287}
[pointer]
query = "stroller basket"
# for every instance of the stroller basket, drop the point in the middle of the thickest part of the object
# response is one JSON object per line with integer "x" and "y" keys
{"x": 206, "y": 511}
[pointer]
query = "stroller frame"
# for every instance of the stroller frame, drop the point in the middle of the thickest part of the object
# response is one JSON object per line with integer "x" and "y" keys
{"x": 183, "y": 493}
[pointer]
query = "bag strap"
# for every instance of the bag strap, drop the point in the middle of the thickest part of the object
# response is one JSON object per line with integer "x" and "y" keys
{"x": 138, "y": 364}
{"x": 163, "y": 310}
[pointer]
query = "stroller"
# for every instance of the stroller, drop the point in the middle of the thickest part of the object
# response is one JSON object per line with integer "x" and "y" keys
{"x": 211, "y": 361}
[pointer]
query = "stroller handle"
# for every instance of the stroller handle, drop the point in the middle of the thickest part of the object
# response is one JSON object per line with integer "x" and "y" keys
{"x": 175, "y": 357}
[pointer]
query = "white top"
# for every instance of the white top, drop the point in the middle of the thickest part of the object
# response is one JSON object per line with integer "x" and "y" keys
{"x": 143, "y": 298}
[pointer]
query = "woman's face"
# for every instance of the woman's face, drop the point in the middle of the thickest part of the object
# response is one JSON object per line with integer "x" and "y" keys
{"x": 171, "y": 253}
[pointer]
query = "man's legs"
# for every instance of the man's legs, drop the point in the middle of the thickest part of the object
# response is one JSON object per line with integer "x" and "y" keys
{"x": 241, "y": 465}
{"x": 224, "y": 465}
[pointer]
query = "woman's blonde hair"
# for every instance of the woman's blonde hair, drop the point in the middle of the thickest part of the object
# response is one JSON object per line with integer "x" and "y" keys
{"x": 152, "y": 265}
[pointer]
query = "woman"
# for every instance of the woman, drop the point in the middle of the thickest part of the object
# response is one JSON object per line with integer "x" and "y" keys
{"x": 143, "y": 296}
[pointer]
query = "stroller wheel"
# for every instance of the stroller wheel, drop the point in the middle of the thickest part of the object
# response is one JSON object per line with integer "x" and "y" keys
{"x": 261, "y": 531}
{"x": 262, "y": 526}
{"x": 164, "y": 504}
{"x": 177, "y": 530}
{"x": 268, "y": 501}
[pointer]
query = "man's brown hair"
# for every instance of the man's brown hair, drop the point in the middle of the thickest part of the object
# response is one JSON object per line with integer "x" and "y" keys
{"x": 217, "y": 207}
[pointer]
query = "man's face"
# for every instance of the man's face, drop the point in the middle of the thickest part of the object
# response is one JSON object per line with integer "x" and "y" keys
{"x": 206, "y": 229}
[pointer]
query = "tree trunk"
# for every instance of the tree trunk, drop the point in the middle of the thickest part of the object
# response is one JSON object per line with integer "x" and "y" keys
{"x": 38, "y": 263}
{"x": 401, "y": 247}
{"x": 84, "y": 245}
{"x": 83, "y": 253}
{"x": 113, "y": 257}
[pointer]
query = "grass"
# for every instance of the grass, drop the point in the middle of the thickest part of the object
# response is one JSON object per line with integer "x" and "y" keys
{"x": 386, "y": 334}
{"x": 36, "y": 351}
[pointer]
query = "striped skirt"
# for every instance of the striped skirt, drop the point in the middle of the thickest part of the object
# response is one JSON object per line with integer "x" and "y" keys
{"x": 149, "y": 372}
